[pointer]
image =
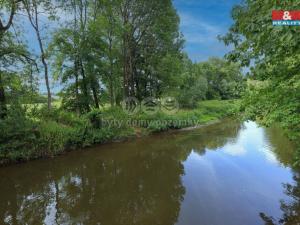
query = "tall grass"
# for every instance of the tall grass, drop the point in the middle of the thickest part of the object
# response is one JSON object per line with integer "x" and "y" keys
{"x": 29, "y": 134}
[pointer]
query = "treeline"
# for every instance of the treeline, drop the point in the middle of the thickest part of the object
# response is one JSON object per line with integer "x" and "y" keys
{"x": 213, "y": 79}
{"x": 102, "y": 51}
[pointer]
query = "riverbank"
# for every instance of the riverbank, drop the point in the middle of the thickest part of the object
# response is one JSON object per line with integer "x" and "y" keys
{"x": 41, "y": 133}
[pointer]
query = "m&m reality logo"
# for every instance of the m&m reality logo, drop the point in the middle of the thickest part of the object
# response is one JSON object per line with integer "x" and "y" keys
{"x": 286, "y": 18}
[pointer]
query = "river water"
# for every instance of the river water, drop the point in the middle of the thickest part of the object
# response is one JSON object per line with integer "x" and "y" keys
{"x": 229, "y": 173}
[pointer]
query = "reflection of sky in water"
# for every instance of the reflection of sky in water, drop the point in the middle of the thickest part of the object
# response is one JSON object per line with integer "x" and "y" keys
{"x": 251, "y": 138}
{"x": 51, "y": 208}
{"x": 239, "y": 173}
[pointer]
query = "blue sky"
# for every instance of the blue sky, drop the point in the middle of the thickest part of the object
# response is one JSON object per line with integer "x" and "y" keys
{"x": 201, "y": 21}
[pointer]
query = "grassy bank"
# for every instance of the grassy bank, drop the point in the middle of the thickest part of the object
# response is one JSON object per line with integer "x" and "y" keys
{"x": 31, "y": 134}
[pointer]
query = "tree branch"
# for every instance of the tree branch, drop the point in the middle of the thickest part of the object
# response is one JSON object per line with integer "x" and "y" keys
{"x": 11, "y": 16}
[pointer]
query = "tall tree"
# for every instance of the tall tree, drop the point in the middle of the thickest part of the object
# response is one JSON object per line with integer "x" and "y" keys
{"x": 150, "y": 35}
{"x": 33, "y": 9}
{"x": 136, "y": 43}
{"x": 76, "y": 56}
{"x": 106, "y": 37}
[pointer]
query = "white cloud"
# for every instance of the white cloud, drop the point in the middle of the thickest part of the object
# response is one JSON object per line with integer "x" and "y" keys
{"x": 201, "y": 37}
{"x": 193, "y": 22}
{"x": 234, "y": 150}
{"x": 197, "y": 31}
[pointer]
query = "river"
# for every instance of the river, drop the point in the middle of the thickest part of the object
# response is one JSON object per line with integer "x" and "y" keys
{"x": 228, "y": 173}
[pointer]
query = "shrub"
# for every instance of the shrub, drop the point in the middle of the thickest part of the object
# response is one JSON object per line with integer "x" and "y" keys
{"x": 95, "y": 118}
{"x": 53, "y": 138}
{"x": 19, "y": 136}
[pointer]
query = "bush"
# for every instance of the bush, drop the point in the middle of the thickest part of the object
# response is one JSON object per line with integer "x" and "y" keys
{"x": 95, "y": 118}
{"x": 60, "y": 116}
{"x": 53, "y": 138}
{"x": 19, "y": 136}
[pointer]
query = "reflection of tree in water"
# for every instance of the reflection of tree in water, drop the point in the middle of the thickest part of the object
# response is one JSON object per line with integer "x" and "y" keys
{"x": 281, "y": 145}
{"x": 20, "y": 202}
{"x": 290, "y": 210}
{"x": 135, "y": 186}
{"x": 211, "y": 137}
{"x": 284, "y": 150}
{"x": 132, "y": 183}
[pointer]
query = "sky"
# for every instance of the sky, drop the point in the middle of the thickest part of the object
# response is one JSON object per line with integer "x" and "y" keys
{"x": 201, "y": 21}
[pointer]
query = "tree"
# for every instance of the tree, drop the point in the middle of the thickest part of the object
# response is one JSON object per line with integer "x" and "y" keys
{"x": 225, "y": 80}
{"x": 150, "y": 35}
{"x": 3, "y": 30}
{"x": 76, "y": 58}
{"x": 106, "y": 31}
{"x": 193, "y": 87}
{"x": 12, "y": 52}
{"x": 274, "y": 53}
{"x": 33, "y": 8}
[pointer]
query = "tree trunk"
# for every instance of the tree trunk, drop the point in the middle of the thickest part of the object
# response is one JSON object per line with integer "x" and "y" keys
{"x": 76, "y": 86}
{"x": 84, "y": 87}
{"x": 125, "y": 69}
{"x": 111, "y": 85}
{"x": 43, "y": 57}
{"x": 34, "y": 20}
{"x": 126, "y": 73}
{"x": 131, "y": 75}
{"x": 47, "y": 80}
{"x": 111, "y": 90}
{"x": 3, "y": 107}
{"x": 95, "y": 94}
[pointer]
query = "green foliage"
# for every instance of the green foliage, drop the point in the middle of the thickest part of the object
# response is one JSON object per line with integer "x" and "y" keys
{"x": 53, "y": 138}
{"x": 193, "y": 91}
{"x": 213, "y": 79}
{"x": 18, "y": 136}
{"x": 225, "y": 80}
{"x": 219, "y": 109}
{"x": 53, "y": 132}
{"x": 273, "y": 96}
{"x": 205, "y": 111}
{"x": 274, "y": 103}
{"x": 110, "y": 51}
{"x": 95, "y": 117}
{"x": 60, "y": 116}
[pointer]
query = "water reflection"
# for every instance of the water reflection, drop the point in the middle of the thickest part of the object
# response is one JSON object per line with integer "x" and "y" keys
{"x": 221, "y": 174}
{"x": 290, "y": 209}
{"x": 125, "y": 189}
